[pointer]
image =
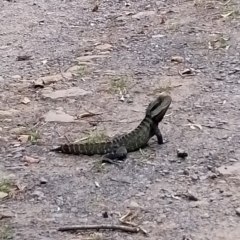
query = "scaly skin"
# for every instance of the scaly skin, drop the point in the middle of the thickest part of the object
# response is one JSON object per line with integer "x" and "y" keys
{"x": 119, "y": 146}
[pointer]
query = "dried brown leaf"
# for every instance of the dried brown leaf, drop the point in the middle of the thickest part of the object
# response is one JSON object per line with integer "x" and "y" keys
{"x": 30, "y": 159}
{"x": 23, "y": 138}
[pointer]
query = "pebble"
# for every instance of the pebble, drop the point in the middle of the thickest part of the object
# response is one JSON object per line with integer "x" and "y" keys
{"x": 16, "y": 77}
{"x": 39, "y": 194}
{"x": 205, "y": 215}
{"x": 238, "y": 211}
{"x": 43, "y": 180}
{"x": 105, "y": 214}
{"x": 227, "y": 194}
{"x": 74, "y": 209}
{"x": 181, "y": 153}
{"x": 194, "y": 177}
{"x": 134, "y": 205}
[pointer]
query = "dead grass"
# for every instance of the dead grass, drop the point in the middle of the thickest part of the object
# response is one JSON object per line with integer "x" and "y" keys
{"x": 32, "y": 135}
{"x": 6, "y": 233}
{"x": 118, "y": 83}
{"x": 82, "y": 70}
{"x": 96, "y": 136}
{"x": 164, "y": 87}
{"x": 98, "y": 166}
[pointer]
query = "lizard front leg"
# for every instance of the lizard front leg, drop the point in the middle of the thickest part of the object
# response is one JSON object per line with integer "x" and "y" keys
{"x": 158, "y": 133}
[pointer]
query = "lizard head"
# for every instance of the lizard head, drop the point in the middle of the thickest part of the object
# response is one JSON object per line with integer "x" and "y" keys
{"x": 158, "y": 108}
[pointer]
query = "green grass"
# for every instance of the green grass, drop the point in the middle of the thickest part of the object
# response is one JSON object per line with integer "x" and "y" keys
{"x": 5, "y": 186}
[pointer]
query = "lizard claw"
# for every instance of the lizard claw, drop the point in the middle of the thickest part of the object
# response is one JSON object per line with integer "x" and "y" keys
{"x": 163, "y": 142}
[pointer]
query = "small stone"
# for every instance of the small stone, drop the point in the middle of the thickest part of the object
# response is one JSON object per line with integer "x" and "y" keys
{"x": 158, "y": 36}
{"x": 205, "y": 215}
{"x": 186, "y": 172}
{"x": 37, "y": 193}
{"x": 2, "y": 80}
{"x": 105, "y": 214}
{"x": 209, "y": 167}
{"x": 90, "y": 57}
{"x": 6, "y": 214}
{"x": 211, "y": 175}
{"x": 143, "y": 14}
{"x": 181, "y": 153}
{"x": 140, "y": 194}
{"x": 178, "y": 59}
{"x": 192, "y": 197}
{"x": 232, "y": 160}
{"x": 71, "y": 92}
{"x": 104, "y": 47}
{"x": 74, "y": 209}
{"x": 9, "y": 113}
{"x": 238, "y": 211}
{"x": 59, "y": 200}
{"x": 134, "y": 205}
{"x": 219, "y": 77}
{"x": 17, "y": 130}
{"x": 43, "y": 180}
{"x": 16, "y": 77}
{"x": 25, "y": 100}
{"x": 227, "y": 194}
{"x": 230, "y": 170}
{"x": 194, "y": 177}
{"x": 58, "y": 116}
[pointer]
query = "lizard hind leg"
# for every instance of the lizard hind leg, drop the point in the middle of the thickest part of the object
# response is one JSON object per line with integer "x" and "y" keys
{"x": 118, "y": 154}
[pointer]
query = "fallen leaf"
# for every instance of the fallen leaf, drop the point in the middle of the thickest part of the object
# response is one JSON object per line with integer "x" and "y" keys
{"x": 25, "y": 100}
{"x": 187, "y": 71}
{"x": 23, "y": 138}
{"x": 23, "y": 58}
{"x": 3, "y": 195}
{"x": 30, "y": 159}
{"x": 194, "y": 126}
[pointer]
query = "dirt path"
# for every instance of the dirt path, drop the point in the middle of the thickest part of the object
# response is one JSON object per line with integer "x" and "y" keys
{"x": 85, "y": 57}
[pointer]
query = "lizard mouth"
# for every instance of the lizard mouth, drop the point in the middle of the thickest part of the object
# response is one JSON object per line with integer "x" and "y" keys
{"x": 160, "y": 107}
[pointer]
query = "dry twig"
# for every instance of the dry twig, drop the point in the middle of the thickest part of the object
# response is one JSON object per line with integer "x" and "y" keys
{"x": 98, "y": 227}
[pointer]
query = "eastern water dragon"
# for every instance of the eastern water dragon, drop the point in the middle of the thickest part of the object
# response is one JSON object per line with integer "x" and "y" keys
{"x": 119, "y": 146}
